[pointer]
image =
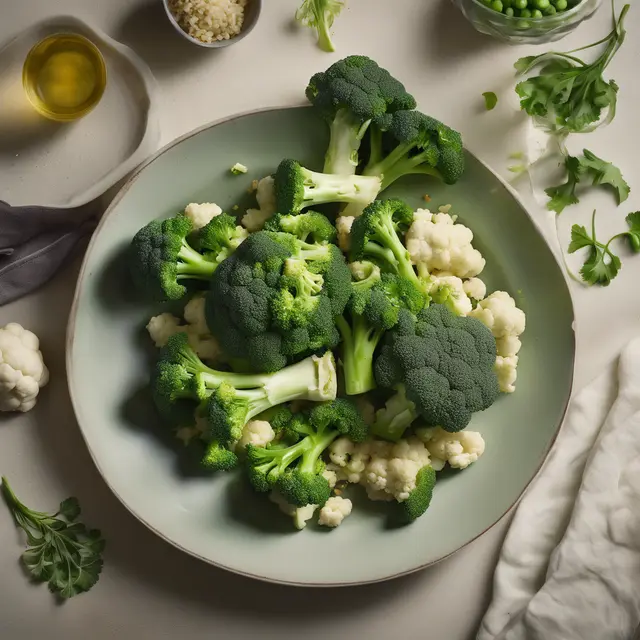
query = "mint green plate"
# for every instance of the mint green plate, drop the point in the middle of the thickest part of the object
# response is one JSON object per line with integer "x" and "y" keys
{"x": 218, "y": 519}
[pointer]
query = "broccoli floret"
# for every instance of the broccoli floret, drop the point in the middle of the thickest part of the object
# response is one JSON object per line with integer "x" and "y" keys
{"x": 297, "y": 188}
{"x": 319, "y": 15}
{"x": 375, "y": 236}
{"x": 349, "y": 95}
{"x": 166, "y": 252}
{"x": 441, "y": 367}
{"x": 230, "y": 400}
{"x": 219, "y": 458}
{"x": 296, "y": 470}
{"x": 420, "y": 498}
{"x": 408, "y": 142}
{"x": 310, "y": 226}
{"x": 374, "y": 308}
{"x": 275, "y": 299}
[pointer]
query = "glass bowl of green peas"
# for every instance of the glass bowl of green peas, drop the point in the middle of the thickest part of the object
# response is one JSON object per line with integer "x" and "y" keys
{"x": 527, "y": 21}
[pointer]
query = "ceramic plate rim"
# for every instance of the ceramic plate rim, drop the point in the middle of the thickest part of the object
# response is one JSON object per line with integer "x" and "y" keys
{"x": 70, "y": 335}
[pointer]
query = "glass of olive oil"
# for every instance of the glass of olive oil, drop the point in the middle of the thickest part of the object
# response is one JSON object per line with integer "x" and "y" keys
{"x": 64, "y": 76}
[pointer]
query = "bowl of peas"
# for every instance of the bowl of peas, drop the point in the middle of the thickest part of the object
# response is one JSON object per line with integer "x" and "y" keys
{"x": 527, "y": 21}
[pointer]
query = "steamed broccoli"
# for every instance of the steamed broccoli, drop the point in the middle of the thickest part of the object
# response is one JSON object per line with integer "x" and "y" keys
{"x": 375, "y": 236}
{"x": 319, "y": 15}
{"x": 349, "y": 95}
{"x": 373, "y": 309}
{"x": 408, "y": 142}
{"x": 275, "y": 299}
{"x": 441, "y": 367}
{"x": 297, "y": 188}
{"x": 420, "y": 498}
{"x": 310, "y": 226}
{"x": 295, "y": 470}
{"x": 161, "y": 254}
{"x": 229, "y": 400}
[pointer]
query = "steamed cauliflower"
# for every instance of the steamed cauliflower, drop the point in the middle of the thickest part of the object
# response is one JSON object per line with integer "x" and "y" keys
{"x": 258, "y": 433}
{"x": 254, "y": 219}
{"x": 475, "y": 288}
{"x": 335, "y": 510}
{"x": 162, "y": 327}
{"x": 500, "y": 314}
{"x": 450, "y": 290}
{"x": 22, "y": 369}
{"x": 458, "y": 449}
{"x": 201, "y": 214}
{"x": 436, "y": 243}
{"x": 343, "y": 225}
{"x": 300, "y": 515}
{"x": 348, "y": 459}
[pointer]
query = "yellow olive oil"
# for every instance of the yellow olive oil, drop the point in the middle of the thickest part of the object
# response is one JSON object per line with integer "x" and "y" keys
{"x": 64, "y": 76}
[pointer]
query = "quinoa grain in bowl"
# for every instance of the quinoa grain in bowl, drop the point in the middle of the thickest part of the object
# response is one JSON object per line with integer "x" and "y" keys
{"x": 209, "y": 20}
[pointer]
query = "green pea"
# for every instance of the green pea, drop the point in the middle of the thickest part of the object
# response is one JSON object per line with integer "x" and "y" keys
{"x": 520, "y": 4}
{"x": 561, "y": 5}
{"x": 525, "y": 13}
{"x": 536, "y": 13}
{"x": 550, "y": 11}
{"x": 541, "y": 4}
{"x": 509, "y": 12}
{"x": 496, "y": 5}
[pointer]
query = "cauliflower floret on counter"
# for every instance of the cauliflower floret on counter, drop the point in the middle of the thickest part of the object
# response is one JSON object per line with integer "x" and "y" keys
{"x": 475, "y": 288}
{"x": 22, "y": 369}
{"x": 254, "y": 219}
{"x": 300, "y": 515}
{"x": 258, "y": 433}
{"x": 436, "y": 243}
{"x": 335, "y": 510}
{"x": 458, "y": 449}
{"x": 201, "y": 214}
{"x": 500, "y": 314}
{"x": 343, "y": 225}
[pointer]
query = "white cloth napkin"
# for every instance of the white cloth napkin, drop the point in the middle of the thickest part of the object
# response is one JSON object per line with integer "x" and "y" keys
{"x": 570, "y": 565}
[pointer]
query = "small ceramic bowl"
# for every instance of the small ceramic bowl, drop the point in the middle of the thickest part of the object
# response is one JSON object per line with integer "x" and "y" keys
{"x": 251, "y": 15}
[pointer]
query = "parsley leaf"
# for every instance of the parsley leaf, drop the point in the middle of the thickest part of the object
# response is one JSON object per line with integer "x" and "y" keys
{"x": 633, "y": 235}
{"x": 62, "y": 551}
{"x": 490, "y": 100}
{"x": 588, "y": 165}
{"x": 568, "y": 94}
{"x": 604, "y": 172}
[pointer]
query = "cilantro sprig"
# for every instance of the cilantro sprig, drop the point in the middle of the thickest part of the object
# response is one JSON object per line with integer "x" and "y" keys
{"x": 62, "y": 551}
{"x": 569, "y": 95}
{"x": 602, "y": 264}
{"x": 587, "y": 166}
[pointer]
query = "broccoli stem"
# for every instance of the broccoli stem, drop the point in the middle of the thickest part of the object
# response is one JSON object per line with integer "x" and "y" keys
{"x": 359, "y": 342}
{"x": 321, "y": 188}
{"x": 395, "y": 418}
{"x": 388, "y": 238}
{"x": 281, "y": 458}
{"x": 324, "y": 36}
{"x": 318, "y": 443}
{"x": 414, "y": 165}
{"x": 193, "y": 265}
{"x": 346, "y": 135}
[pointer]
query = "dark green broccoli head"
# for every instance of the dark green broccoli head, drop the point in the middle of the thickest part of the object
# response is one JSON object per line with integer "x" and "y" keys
{"x": 309, "y": 227}
{"x": 341, "y": 415}
{"x": 289, "y": 185}
{"x": 220, "y": 237}
{"x": 359, "y": 85}
{"x": 388, "y": 297}
{"x": 160, "y": 258}
{"x": 227, "y": 413}
{"x": 301, "y": 488}
{"x": 218, "y": 458}
{"x": 420, "y": 498}
{"x": 445, "y": 364}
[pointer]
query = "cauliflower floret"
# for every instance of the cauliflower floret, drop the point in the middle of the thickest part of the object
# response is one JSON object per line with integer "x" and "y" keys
{"x": 457, "y": 298}
{"x": 392, "y": 468}
{"x": 300, "y": 515}
{"x": 162, "y": 327}
{"x": 258, "y": 433}
{"x": 475, "y": 288}
{"x": 22, "y": 369}
{"x": 343, "y": 225}
{"x": 499, "y": 313}
{"x": 201, "y": 214}
{"x": 349, "y": 458}
{"x": 436, "y": 243}
{"x": 254, "y": 219}
{"x": 340, "y": 451}
{"x": 331, "y": 477}
{"x": 507, "y": 371}
{"x": 195, "y": 316}
{"x": 335, "y": 510}
{"x": 458, "y": 449}
{"x": 187, "y": 434}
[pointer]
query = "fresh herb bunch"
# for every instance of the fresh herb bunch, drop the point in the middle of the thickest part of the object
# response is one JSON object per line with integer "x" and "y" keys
{"x": 569, "y": 95}
{"x": 602, "y": 264}
{"x": 588, "y": 166}
{"x": 319, "y": 15}
{"x": 62, "y": 551}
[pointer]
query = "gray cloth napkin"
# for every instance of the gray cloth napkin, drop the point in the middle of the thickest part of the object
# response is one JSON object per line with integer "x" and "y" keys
{"x": 35, "y": 242}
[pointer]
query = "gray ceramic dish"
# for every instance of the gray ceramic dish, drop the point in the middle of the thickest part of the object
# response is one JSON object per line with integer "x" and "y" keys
{"x": 219, "y": 519}
{"x": 252, "y": 13}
